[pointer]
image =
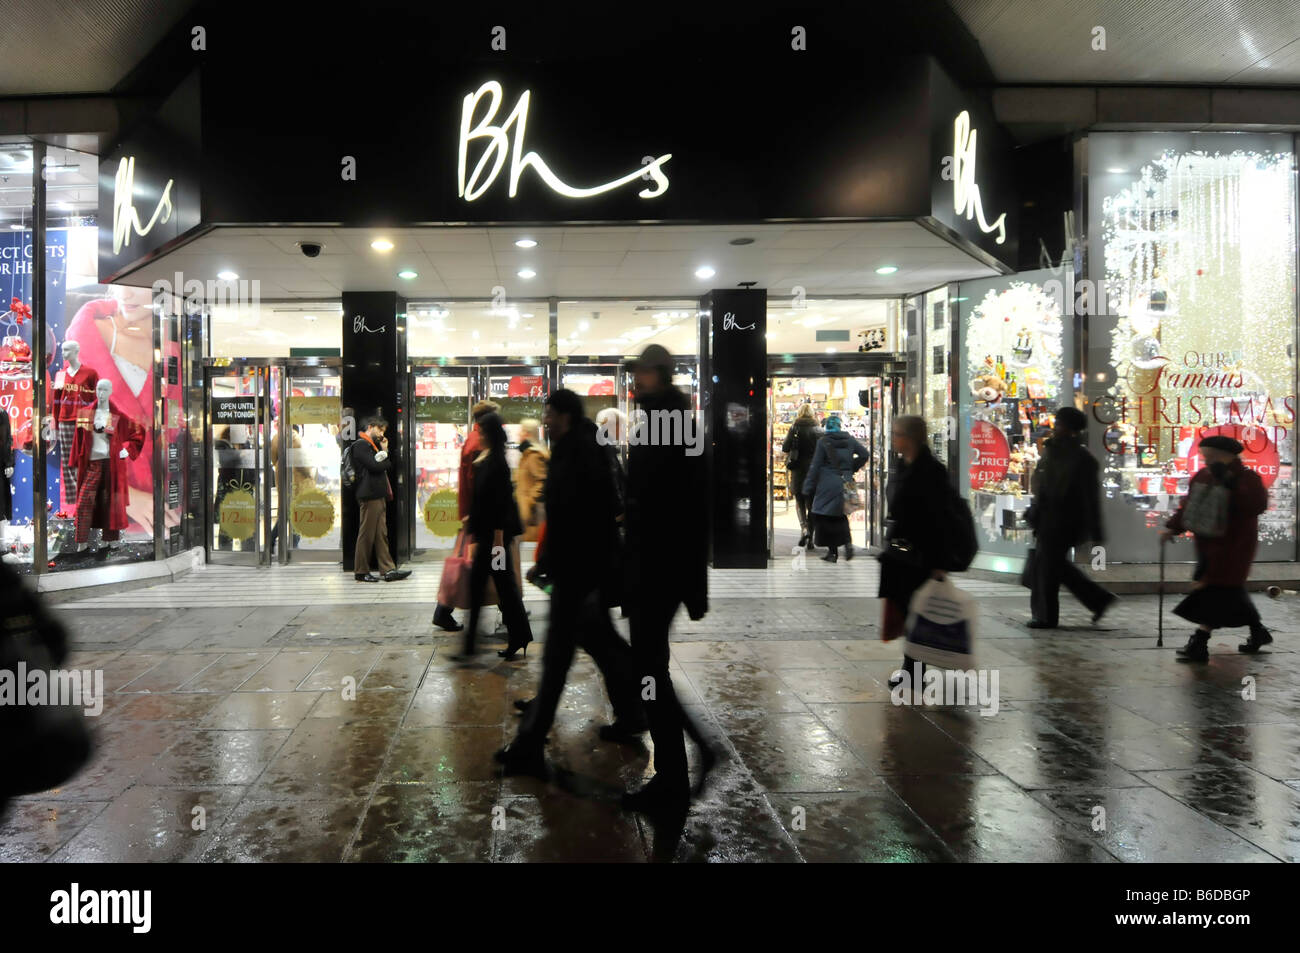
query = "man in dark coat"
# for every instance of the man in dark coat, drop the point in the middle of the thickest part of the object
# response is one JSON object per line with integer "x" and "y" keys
{"x": 583, "y": 560}
{"x": 667, "y": 565}
{"x": 370, "y": 457}
{"x": 1066, "y": 512}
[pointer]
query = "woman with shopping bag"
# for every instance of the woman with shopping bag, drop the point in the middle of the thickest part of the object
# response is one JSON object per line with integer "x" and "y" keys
{"x": 494, "y": 524}
{"x": 916, "y": 538}
{"x": 1221, "y": 509}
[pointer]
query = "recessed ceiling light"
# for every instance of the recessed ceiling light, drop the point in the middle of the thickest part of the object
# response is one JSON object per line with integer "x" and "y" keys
{"x": 704, "y": 271}
{"x": 525, "y": 243}
{"x": 227, "y": 275}
{"x": 381, "y": 244}
{"x": 526, "y": 273}
{"x": 886, "y": 269}
{"x": 1116, "y": 170}
{"x": 584, "y": 325}
{"x": 408, "y": 274}
{"x": 17, "y": 226}
{"x": 831, "y": 350}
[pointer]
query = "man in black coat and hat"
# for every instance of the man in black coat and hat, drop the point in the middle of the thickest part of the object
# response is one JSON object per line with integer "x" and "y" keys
{"x": 582, "y": 556}
{"x": 1066, "y": 512}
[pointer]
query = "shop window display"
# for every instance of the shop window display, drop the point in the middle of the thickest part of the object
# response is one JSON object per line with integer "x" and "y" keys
{"x": 937, "y": 376}
{"x": 1014, "y": 363}
{"x": 1194, "y": 237}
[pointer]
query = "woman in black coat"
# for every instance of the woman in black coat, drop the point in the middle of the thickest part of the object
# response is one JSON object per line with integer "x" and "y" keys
{"x": 799, "y": 446}
{"x": 916, "y": 539}
{"x": 494, "y": 523}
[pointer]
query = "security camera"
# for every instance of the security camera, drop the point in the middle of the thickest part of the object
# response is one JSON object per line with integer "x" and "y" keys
{"x": 310, "y": 249}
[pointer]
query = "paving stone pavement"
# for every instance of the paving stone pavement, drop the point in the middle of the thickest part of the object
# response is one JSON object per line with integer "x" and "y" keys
{"x": 235, "y": 714}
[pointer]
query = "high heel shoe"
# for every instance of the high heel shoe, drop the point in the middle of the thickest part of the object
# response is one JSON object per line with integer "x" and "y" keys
{"x": 508, "y": 653}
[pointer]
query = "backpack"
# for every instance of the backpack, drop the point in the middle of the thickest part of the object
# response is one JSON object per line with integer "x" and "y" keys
{"x": 962, "y": 544}
{"x": 347, "y": 469}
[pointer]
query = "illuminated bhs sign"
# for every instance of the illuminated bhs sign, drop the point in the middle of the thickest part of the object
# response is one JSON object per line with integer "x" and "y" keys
{"x": 499, "y": 140}
{"x": 965, "y": 193}
{"x": 125, "y": 217}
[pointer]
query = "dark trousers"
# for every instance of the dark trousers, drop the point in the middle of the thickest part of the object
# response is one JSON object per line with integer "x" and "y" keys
{"x": 802, "y": 501}
{"x": 508, "y": 595}
{"x": 649, "y": 623}
{"x": 1054, "y": 569}
{"x": 579, "y": 619}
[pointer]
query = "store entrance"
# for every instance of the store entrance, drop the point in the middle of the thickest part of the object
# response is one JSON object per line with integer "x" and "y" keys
{"x": 273, "y": 444}
{"x": 441, "y": 395}
{"x": 865, "y": 394}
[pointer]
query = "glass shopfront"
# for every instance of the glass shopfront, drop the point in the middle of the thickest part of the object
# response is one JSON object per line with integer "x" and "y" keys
{"x": 1015, "y": 366}
{"x": 1194, "y": 237}
{"x": 101, "y": 467}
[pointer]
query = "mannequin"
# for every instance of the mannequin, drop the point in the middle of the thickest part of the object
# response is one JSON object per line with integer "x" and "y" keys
{"x": 74, "y": 390}
{"x": 105, "y": 439}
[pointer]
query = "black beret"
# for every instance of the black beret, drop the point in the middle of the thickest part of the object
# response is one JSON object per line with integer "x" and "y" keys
{"x": 1219, "y": 442}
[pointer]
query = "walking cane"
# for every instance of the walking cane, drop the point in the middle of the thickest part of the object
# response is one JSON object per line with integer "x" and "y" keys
{"x": 1160, "y": 599}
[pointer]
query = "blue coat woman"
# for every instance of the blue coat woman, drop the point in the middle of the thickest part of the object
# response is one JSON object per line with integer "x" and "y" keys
{"x": 837, "y": 458}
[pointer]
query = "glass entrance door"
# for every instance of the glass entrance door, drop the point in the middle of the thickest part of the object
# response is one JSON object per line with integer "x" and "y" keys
{"x": 306, "y": 452}
{"x": 440, "y": 404}
{"x": 237, "y": 450}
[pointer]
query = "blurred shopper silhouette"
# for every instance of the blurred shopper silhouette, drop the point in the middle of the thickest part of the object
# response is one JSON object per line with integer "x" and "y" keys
{"x": 583, "y": 559}
{"x": 667, "y": 557}
{"x": 494, "y": 523}
{"x": 611, "y": 429}
{"x": 442, "y": 616}
{"x": 530, "y": 479}
{"x": 837, "y": 458}
{"x": 1221, "y": 509}
{"x": 799, "y": 447}
{"x": 1066, "y": 512}
{"x": 915, "y": 536}
{"x": 41, "y": 745}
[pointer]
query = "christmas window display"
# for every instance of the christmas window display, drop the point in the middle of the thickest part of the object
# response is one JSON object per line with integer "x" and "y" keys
{"x": 1199, "y": 269}
{"x": 1014, "y": 361}
{"x": 441, "y": 418}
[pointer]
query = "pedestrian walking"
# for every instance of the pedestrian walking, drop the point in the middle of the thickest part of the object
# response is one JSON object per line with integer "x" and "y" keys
{"x": 916, "y": 537}
{"x": 583, "y": 560}
{"x": 494, "y": 523}
{"x": 531, "y": 478}
{"x": 666, "y": 528}
{"x": 442, "y": 617}
{"x": 1066, "y": 512}
{"x": 837, "y": 458}
{"x": 799, "y": 446}
{"x": 370, "y": 457}
{"x": 1221, "y": 509}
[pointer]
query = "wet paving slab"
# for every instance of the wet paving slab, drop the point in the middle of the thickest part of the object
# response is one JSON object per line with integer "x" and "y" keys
{"x": 351, "y": 733}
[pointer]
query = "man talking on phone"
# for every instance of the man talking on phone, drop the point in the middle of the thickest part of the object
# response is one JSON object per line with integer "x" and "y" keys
{"x": 370, "y": 457}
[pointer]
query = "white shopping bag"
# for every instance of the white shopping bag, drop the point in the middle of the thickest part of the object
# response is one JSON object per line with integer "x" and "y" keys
{"x": 941, "y": 625}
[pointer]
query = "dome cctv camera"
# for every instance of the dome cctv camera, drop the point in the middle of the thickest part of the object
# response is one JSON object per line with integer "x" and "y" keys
{"x": 310, "y": 249}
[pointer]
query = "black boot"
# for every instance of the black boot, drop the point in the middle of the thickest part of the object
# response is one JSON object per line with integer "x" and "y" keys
{"x": 831, "y": 556}
{"x": 848, "y": 551}
{"x": 1196, "y": 649}
{"x": 1259, "y": 637}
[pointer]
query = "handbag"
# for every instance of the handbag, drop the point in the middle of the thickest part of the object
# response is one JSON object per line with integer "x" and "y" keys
{"x": 457, "y": 569}
{"x": 852, "y": 496}
{"x": 1206, "y": 513}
